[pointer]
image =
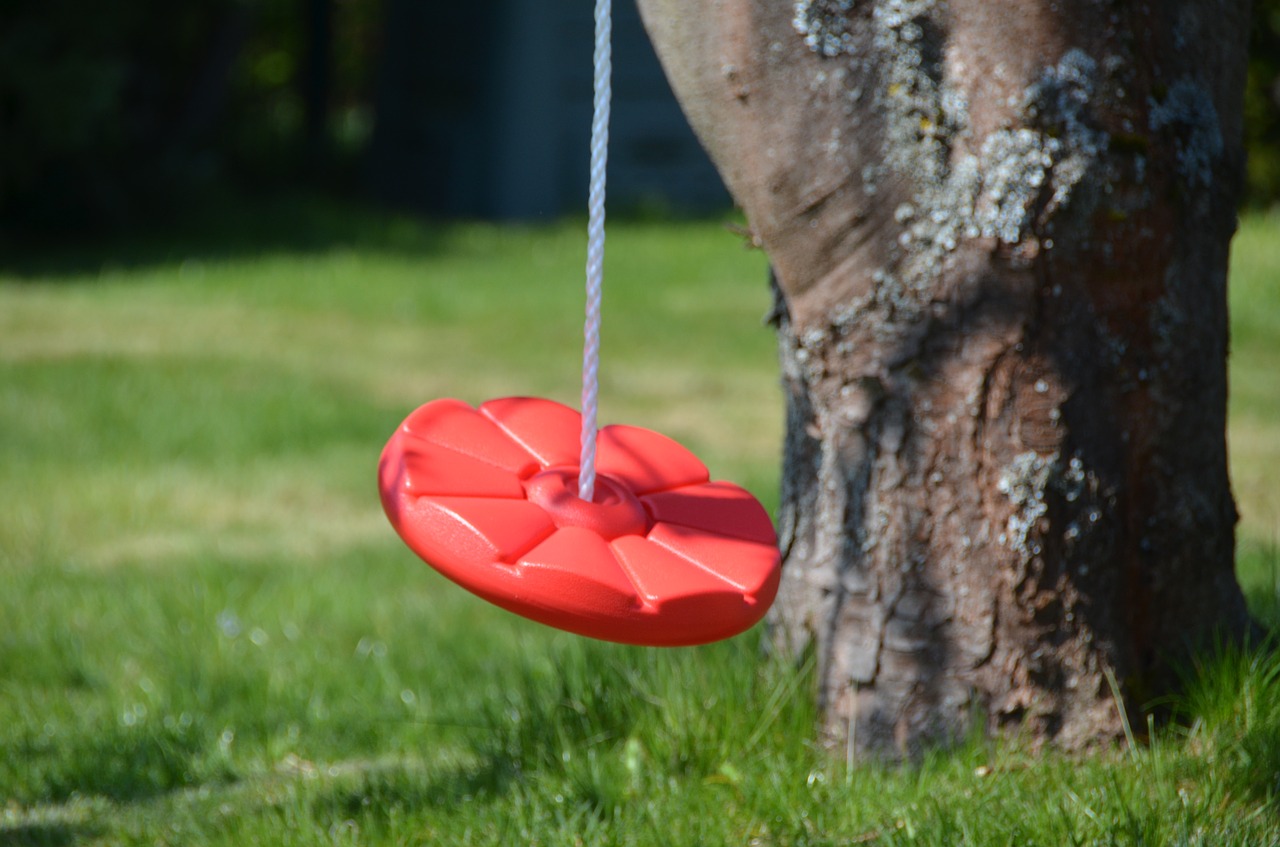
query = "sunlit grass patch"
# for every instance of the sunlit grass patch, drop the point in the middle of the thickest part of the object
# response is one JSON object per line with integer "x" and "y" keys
{"x": 210, "y": 636}
{"x": 1254, "y": 430}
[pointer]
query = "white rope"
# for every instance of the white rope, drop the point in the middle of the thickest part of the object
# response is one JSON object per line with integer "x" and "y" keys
{"x": 595, "y": 248}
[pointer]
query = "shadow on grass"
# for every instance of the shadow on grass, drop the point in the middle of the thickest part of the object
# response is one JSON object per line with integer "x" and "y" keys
{"x": 230, "y": 229}
{"x": 46, "y": 834}
{"x": 588, "y": 723}
{"x": 121, "y": 765}
{"x": 520, "y": 736}
{"x": 378, "y": 791}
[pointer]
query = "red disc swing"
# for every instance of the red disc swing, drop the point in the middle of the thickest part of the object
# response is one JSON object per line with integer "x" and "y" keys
{"x": 617, "y": 534}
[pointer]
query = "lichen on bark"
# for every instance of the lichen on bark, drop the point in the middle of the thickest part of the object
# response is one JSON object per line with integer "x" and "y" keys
{"x": 1186, "y": 110}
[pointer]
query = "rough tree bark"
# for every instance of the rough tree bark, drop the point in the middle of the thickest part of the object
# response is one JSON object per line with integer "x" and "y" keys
{"x": 999, "y": 231}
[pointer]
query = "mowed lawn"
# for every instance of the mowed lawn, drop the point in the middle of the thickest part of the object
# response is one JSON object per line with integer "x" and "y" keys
{"x": 210, "y": 635}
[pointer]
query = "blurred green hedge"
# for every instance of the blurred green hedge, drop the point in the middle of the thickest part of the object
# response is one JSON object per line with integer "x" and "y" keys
{"x": 114, "y": 111}
{"x": 1262, "y": 105}
{"x": 111, "y": 111}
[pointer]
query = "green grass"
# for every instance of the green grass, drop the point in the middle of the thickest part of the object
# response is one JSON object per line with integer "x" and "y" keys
{"x": 208, "y": 634}
{"x": 1255, "y": 406}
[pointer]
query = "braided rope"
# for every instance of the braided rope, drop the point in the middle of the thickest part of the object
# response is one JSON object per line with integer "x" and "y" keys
{"x": 595, "y": 247}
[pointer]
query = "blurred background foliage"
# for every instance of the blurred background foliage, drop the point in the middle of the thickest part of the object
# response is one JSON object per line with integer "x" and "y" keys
{"x": 1262, "y": 105}
{"x": 115, "y": 112}
{"x": 112, "y": 112}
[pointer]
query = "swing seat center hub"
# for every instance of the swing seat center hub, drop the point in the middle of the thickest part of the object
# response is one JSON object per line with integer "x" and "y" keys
{"x": 612, "y": 513}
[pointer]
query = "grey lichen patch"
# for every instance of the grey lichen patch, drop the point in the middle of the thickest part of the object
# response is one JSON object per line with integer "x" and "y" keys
{"x": 1058, "y": 105}
{"x": 1025, "y": 482}
{"x": 897, "y": 52}
{"x": 1017, "y": 175}
{"x": 923, "y": 111}
{"x": 809, "y": 353}
{"x": 1013, "y": 167}
{"x": 1073, "y": 480}
{"x": 824, "y": 25}
{"x": 1051, "y": 155}
{"x": 1032, "y": 478}
{"x": 1001, "y": 186}
{"x": 1187, "y": 112}
{"x": 901, "y": 48}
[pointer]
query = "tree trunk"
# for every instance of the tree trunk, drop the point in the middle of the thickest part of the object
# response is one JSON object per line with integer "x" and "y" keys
{"x": 999, "y": 230}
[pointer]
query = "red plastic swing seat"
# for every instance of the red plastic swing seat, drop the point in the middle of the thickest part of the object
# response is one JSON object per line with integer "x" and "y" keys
{"x": 662, "y": 556}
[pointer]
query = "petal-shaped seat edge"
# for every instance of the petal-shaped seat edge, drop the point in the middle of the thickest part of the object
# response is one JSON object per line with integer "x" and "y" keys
{"x": 719, "y": 508}
{"x": 549, "y": 430}
{"x": 646, "y": 461}
{"x": 432, "y": 469}
{"x": 748, "y": 565}
{"x": 456, "y": 425}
